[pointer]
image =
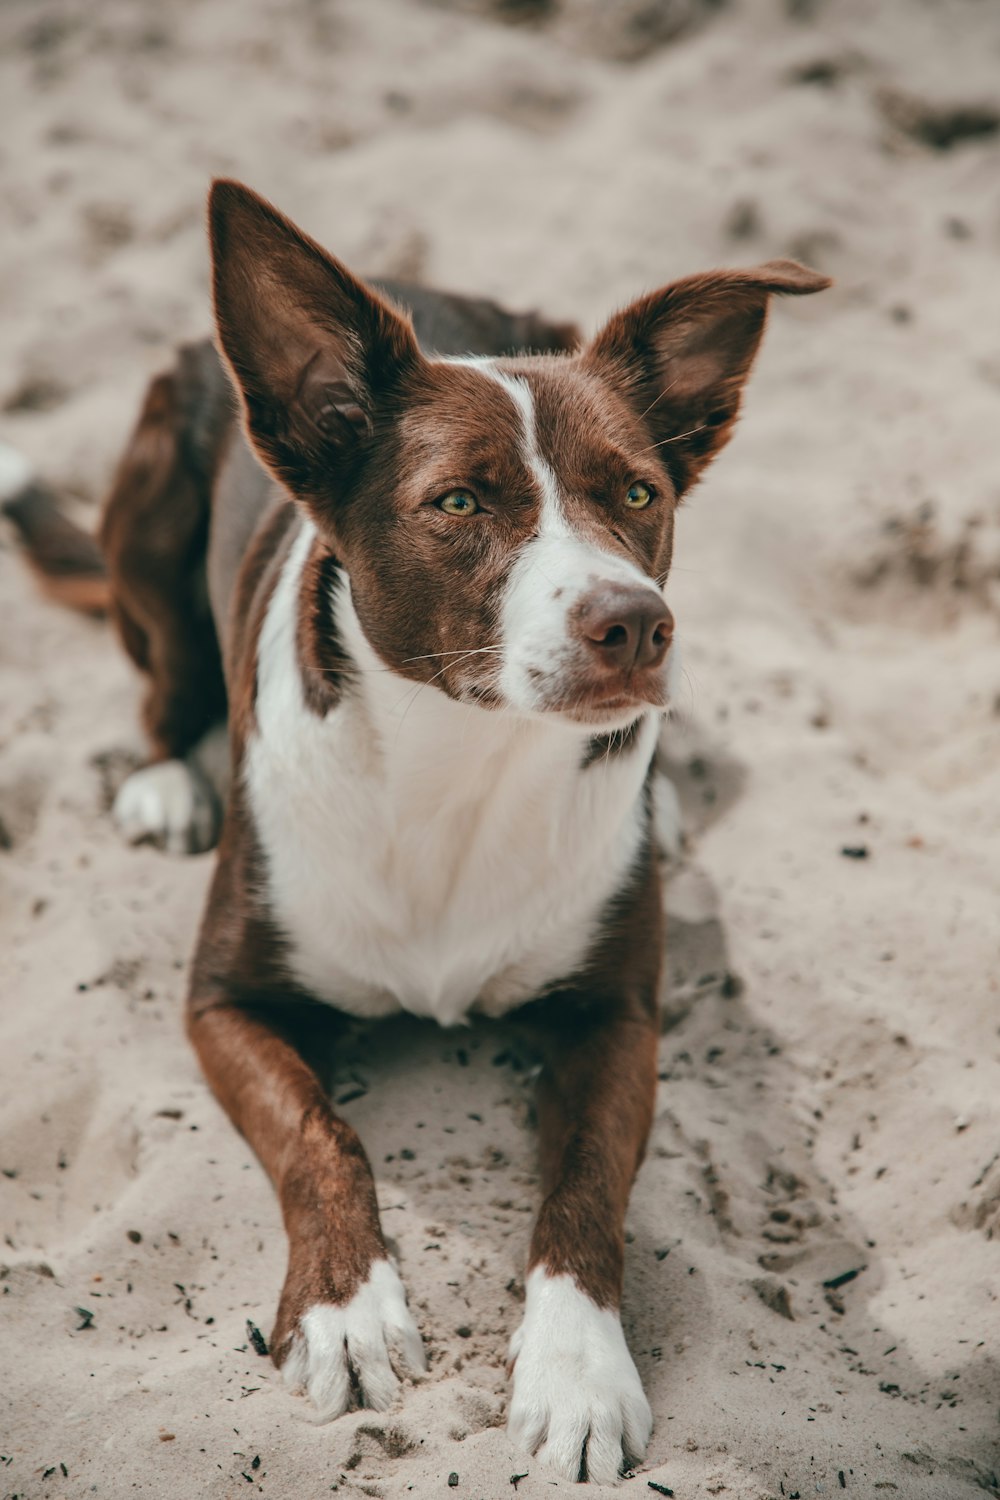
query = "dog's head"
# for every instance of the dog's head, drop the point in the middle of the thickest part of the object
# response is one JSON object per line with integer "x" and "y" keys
{"x": 506, "y": 524}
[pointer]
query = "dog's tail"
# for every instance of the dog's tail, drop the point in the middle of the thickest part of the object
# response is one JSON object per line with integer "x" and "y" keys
{"x": 64, "y": 558}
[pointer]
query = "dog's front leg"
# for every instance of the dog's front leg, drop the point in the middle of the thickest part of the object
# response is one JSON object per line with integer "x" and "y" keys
{"x": 342, "y": 1321}
{"x": 577, "y": 1398}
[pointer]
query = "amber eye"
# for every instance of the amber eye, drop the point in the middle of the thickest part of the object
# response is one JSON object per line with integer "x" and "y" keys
{"x": 638, "y": 496}
{"x": 458, "y": 503}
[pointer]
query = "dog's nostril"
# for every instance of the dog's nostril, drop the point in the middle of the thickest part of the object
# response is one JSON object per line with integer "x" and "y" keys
{"x": 615, "y": 635}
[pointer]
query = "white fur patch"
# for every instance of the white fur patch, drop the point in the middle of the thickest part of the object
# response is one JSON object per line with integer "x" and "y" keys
{"x": 168, "y": 804}
{"x": 552, "y": 573}
{"x": 367, "y": 1336}
{"x": 15, "y": 472}
{"x": 421, "y": 853}
{"x": 668, "y": 819}
{"x": 577, "y": 1396}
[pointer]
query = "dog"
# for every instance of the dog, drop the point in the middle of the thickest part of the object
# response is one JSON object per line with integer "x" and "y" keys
{"x": 419, "y": 577}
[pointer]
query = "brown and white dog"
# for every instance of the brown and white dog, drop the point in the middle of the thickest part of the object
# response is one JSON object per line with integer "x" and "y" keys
{"x": 438, "y": 632}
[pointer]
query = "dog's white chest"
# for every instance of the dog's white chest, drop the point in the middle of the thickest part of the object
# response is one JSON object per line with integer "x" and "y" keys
{"x": 445, "y": 909}
{"x": 423, "y": 855}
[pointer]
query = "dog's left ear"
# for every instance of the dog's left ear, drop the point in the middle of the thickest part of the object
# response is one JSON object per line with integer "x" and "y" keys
{"x": 316, "y": 354}
{"x": 682, "y": 356}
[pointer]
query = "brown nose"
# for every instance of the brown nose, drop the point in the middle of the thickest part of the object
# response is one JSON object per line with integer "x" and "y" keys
{"x": 626, "y": 625}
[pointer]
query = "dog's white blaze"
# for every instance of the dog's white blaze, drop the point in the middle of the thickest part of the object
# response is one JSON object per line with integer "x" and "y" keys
{"x": 575, "y": 1383}
{"x": 554, "y": 570}
{"x": 553, "y": 521}
{"x": 366, "y": 1335}
{"x": 423, "y": 854}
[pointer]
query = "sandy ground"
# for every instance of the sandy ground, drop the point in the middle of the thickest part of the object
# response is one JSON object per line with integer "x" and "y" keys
{"x": 813, "y": 1272}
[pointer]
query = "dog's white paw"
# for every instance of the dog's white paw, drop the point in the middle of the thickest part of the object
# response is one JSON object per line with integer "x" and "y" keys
{"x": 577, "y": 1400}
{"x": 15, "y": 472}
{"x": 167, "y": 804}
{"x": 668, "y": 820}
{"x": 339, "y": 1350}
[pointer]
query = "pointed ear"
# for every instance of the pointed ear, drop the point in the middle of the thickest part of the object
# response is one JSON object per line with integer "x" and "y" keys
{"x": 682, "y": 356}
{"x": 313, "y": 350}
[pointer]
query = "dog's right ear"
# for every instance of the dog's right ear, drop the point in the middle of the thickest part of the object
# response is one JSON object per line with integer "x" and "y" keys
{"x": 682, "y": 355}
{"x": 314, "y": 352}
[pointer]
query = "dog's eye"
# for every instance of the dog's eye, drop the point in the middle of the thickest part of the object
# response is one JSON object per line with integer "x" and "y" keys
{"x": 458, "y": 503}
{"x": 639, "y": 496}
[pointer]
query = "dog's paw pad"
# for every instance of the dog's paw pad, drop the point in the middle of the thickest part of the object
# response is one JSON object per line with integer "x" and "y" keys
{"x": 577, "y": 1401}
{"x": 350, "y": 1354}
{"x": 167, "y": 804}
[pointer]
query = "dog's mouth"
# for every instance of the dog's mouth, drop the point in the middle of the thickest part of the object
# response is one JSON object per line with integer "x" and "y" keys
{"x": 603, "y": 710}
{"x": 591, "y": 705}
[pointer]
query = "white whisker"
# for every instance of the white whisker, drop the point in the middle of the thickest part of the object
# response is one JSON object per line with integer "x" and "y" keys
{"x": 676, "y": 438}
{"x": 658, "y": 399}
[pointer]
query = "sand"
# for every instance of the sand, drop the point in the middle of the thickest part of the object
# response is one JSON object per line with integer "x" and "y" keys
{"x": 813, "y": 1274}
